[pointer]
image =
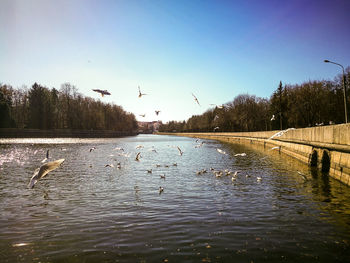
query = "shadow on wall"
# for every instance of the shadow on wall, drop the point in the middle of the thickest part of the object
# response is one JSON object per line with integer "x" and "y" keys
{"x": 325, "y": 162}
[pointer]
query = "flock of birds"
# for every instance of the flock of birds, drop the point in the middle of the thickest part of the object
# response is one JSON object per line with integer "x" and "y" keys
{"x": 49, "y": 165}
{"x": 106, "y": 92}
{"x": 140, "y": 94}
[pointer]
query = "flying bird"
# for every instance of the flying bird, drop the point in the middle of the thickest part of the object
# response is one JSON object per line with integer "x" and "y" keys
{"x": 217, "y": 106}
{"x": 280, "y": 133}
{"x": 302, "y": 175}
{"x": 152, "y": 150}
{"x": 142, "y": 115}
{"x": 102, "y": 92}
{"x": 138, "y": 155}
{"x": 180, "y": 152}
{"x": 195, "y": 98}
{"x": 119, "y": 149}
{"x": 157, "y": 112}
{"x": 47, "y": 157}
{"x": 199, "y": 145}
{"x": 43, "y": 171}
{"x": 140, "y": 93}
{"x": 275, "y": 148}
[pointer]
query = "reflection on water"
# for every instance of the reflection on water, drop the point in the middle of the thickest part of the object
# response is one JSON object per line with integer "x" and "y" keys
{"x": 87, "y": 211}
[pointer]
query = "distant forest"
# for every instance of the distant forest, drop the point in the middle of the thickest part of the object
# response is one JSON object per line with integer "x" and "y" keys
{"x": 42, "y": 108}
{"x": 309, "y": 104}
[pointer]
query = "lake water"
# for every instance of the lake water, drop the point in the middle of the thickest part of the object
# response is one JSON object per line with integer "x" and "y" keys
{"x": 87, "y": 212}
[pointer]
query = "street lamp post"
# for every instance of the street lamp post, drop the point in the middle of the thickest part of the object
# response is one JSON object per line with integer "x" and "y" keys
{"x": 344, "y": 88}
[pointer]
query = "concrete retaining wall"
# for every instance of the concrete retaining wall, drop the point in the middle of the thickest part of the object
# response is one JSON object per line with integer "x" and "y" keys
{"x": 327, "y": 147}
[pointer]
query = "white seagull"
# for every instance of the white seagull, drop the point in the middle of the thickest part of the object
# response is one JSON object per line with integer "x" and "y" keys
{"x": 196, "y": 100}
{"x": 240, "y": 154}
{"x": 221, "y": 151}
{"x": 217, "y": 106}
{"x": 44, "y": 170}
{"x": 141, "y": 94}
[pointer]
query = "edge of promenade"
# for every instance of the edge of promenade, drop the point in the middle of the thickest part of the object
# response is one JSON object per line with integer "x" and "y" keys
{"x": 327, "y": 147}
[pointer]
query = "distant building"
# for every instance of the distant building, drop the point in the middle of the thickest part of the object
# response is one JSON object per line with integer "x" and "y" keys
{"x": 149, "y": 127}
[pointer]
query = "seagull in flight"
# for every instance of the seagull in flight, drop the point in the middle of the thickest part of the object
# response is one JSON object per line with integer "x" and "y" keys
{"x": 302, "y": 175}
{"x": 180, "y": 152}
{"x": 217, "y": 106}
{"x": 195, "y": 98}
{"x": 137, "y": 158}
{"x": 102, "y": 92}
{"x": 47, "y": 157}
{"x": 43, "y": 171}
{"x": 157, "y": 112}
{"x": 141, "y": 94}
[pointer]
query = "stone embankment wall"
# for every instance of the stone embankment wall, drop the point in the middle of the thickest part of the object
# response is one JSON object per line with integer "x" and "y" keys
{"x": 36, "y": 133}
{"x": 327, "y": 147}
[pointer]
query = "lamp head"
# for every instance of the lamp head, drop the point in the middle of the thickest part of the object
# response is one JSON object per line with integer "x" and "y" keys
{"x": 326, "y": 60}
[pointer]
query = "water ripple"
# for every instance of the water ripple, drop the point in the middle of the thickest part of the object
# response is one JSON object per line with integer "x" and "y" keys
{"x": 85, "y": 211}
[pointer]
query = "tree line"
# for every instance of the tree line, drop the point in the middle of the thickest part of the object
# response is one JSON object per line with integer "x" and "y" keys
{"x": 308, "y": 104}
{"x": 42, "y": 108}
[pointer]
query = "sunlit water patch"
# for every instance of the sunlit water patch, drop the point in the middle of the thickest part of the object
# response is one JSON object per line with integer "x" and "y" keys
{"x": 102, "y": 205}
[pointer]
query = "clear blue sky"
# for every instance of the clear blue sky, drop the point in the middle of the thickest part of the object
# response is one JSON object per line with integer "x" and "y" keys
{"x": 215, "y": 49}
